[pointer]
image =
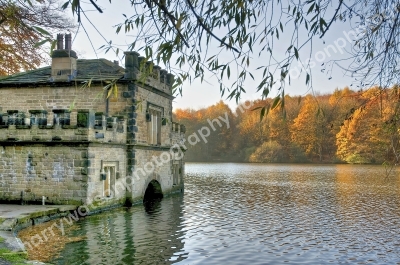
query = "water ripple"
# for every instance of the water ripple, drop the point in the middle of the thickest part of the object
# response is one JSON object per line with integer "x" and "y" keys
{"x": 256, "y": 214}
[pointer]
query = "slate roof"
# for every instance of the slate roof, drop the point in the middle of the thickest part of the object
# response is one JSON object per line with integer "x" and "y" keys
{"x": 95, "y": 69}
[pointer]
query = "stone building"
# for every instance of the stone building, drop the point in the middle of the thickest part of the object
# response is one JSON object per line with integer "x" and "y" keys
{"x": 89, "y": 132}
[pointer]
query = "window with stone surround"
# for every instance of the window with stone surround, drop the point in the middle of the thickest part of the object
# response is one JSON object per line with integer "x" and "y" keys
{"x": 110, "y": 171}
{"x": 61, "y": 117}
{"x": 154, "y": 120}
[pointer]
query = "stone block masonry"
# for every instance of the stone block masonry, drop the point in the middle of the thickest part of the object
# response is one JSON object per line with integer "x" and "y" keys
{"x": 30, "y": 172}
{"x": 64, "y": 140}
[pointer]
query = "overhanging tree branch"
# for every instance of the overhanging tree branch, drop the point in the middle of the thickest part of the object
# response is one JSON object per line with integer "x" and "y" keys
{"x": 200, "y": 21}
{"x": 333, "y": 19}
{"x": 170, "y": 17}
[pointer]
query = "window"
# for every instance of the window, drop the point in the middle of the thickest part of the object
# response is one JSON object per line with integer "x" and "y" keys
{"x": 109, "y": 173}
{"x": 109, "y": 182}
{"x": 153, "y": 117}
{"x": 83, "y": 119}
{"x": 98, "y": 120}
{"x": 61, "y": 117}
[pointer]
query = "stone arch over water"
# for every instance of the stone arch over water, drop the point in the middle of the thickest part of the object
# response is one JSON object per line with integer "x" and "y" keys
{"x": 153, "y": 191}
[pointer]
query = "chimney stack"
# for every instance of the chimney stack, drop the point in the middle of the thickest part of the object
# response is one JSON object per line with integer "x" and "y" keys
{"x": 63, "y": 65}
{"x": 68, "y": 41}
{"x": 60, "y": 42}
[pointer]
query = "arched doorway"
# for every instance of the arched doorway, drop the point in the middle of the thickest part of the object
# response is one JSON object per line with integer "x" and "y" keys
{"x": 153, "y": 191}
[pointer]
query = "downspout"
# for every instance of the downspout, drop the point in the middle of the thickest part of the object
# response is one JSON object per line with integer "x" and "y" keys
{"x": 107, "y": 106}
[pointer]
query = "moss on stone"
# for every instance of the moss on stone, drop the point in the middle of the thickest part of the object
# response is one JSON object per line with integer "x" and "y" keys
{"x": 13, "y": 257}
{"x": 98, "y": 205}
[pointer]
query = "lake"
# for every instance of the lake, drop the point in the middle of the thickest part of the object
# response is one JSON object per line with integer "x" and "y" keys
{"x": 254, "y": 214}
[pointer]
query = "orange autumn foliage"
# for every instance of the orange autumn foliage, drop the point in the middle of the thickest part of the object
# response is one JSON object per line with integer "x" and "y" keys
{"x": 345, "y": 126}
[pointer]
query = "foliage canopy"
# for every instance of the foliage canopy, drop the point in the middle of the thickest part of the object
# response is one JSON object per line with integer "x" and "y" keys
{"x": 369, "y": 133}
{"x": 223, "y": 37}
{"x": 24, "y": 25}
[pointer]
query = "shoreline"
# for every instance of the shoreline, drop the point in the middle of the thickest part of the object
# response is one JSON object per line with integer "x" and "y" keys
{"x": 14, "y": 218}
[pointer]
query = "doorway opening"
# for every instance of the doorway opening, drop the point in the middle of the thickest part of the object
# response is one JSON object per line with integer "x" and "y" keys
{"x": 153, "y": 191}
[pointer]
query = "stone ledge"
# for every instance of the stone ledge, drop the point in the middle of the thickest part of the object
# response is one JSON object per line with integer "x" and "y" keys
{"x": 14, "y": 216}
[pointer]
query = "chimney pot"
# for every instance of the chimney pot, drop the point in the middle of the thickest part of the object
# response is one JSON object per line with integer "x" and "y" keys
{"x": 60, "y": 41}
{"x": 68, "y": 41}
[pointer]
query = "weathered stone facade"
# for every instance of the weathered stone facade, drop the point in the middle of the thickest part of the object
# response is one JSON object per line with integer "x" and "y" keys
{"x": 63, "y": 140}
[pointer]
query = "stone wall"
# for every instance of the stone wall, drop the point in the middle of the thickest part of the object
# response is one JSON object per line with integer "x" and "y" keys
{"x": 69, "y": 163}
{"x": 28, "y": 172}
{"x": 144, "y": 97}
{"x": 63, "y": 174}
{"x": 49, "y": 98}
{"x": 103, "y": 156}
{"x": 151, "y": 165}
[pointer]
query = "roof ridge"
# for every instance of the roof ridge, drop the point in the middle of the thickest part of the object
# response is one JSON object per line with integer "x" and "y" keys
{"x": 98, "y": 69}
{"x": 110, "y": 63}
{"x": 24, "y": 73}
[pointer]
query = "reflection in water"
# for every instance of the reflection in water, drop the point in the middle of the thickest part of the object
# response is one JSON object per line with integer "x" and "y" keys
{"x": 139, "y": 235}
{"x": 255, "y": 214}
{"x": 152, "y": 206}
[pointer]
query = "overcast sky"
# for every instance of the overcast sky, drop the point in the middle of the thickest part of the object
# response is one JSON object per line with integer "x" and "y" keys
{"x": 198, "y": 94}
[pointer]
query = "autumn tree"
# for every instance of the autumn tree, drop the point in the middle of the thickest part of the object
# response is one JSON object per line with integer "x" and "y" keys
{"x": 347, "y": 126}
{"x": 371, "y": 133}
{"x": 193, "y": 121}
{"x": 252, "y": 129}
{"x": 311, "y": 128}
{"x": 24, "y": 25}
{"x": 221, "y": 137}
{"x": 217, "y": 123}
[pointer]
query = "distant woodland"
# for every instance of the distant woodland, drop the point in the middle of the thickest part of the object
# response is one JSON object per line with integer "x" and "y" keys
{"x": 343, "y": 127}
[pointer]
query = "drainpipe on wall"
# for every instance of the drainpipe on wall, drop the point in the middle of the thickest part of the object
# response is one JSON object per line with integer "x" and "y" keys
{"x": 107, "y": 106}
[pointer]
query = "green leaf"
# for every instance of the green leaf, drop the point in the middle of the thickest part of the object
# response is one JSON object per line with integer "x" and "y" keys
{"x": 118, "y": 29}
{"x": 115, "y": 88}
{"x": 53, "y": 45}
{"x": 262, "y": 113}
{"x": 276, "y": 101}
{"x": 179, "y": 23}
{"x": 296, "y": 53}
{"x": 40, "y": 43}
{"x": 265, "y": 92}
{"x": 42, "y": 31}
{"x": 65, "y": 5}
{"x": 311, "y": 9}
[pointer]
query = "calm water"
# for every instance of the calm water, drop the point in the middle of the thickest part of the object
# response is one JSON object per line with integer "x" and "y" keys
{"x": 254, "y": 214}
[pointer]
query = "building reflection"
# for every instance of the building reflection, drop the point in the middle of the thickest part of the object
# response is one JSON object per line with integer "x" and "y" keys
{"x": 137, "y": 235}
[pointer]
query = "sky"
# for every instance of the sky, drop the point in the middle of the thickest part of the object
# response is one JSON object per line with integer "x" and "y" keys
{"x": 91, "y": 35}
